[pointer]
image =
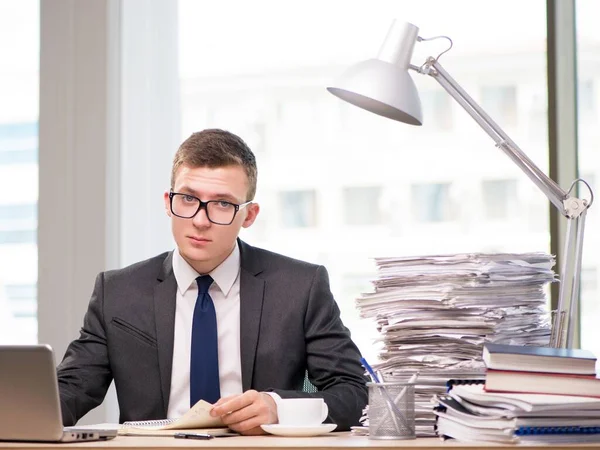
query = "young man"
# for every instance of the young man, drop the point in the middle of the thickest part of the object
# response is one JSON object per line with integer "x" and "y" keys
{"x": 216, "y": 318}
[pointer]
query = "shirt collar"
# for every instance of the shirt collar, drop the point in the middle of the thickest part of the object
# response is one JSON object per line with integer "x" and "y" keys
{"x": 224, "y": 275}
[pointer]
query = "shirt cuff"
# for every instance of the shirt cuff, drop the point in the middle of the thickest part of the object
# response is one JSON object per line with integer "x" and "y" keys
{"x": 276, "y": 398}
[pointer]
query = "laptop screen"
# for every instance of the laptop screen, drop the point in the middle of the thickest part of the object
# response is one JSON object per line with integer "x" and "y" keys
{"x": 29, "y": 395}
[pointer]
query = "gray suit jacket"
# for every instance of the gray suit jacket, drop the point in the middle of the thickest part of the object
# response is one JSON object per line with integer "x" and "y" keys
{"x": 289, "y": 323}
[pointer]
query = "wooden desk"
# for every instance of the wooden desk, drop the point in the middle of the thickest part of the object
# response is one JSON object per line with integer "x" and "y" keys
{"x": 326, "y": 442}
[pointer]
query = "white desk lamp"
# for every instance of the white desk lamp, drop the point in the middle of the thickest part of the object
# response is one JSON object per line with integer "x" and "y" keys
{"x": 384, "y": 86}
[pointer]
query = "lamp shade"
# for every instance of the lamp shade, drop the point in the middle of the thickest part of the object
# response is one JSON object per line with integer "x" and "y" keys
{"x": 382, "y": 85}
{"x": 382, "y": 88}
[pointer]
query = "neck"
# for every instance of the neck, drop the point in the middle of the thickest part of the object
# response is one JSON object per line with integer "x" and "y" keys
{"x": 205, "y": 267}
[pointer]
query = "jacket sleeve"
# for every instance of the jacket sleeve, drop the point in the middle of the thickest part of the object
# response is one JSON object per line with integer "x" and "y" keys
{"x": 333, "y": 360}
{"x": 84, "y": 374}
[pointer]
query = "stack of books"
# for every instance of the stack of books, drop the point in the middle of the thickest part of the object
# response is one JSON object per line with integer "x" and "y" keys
{"x": 540, "y": 370}
{"x": 530, "y": 394}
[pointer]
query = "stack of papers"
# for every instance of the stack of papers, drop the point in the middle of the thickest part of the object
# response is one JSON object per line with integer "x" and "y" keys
{"x": 434, "y": 313}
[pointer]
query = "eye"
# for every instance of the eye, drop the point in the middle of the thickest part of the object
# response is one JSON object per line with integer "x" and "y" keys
{"x": 222, "y": 204}
{"x": 189, "y": 198}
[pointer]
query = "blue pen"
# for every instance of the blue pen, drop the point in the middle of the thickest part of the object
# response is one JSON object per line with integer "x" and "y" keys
{"x": 367, "y": 366}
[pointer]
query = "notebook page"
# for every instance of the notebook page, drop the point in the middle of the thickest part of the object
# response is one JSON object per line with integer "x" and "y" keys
{"x": 198, "y": 416}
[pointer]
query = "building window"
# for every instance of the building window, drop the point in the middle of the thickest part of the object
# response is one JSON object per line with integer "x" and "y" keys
{"x": 500, "y": 103}
{"x": 362, "y": 205}
{"x": 589, "y": 281}
{"x": 437, "y": 109}
{"x": 585, "y": 100}
{"x": 23, "y": 299}
{"x": 298, "y": 209}
{"x": 25, "y": 213}
{"x": 499, "y": 198}
{"x": 431, "y": 202}
{"x": 18, "y": 224}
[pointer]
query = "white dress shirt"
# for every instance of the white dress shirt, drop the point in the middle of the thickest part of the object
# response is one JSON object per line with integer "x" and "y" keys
{"x": 225, "y": 293}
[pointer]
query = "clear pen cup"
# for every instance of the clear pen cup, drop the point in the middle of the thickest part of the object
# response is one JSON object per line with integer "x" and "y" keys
{"x": 392, "y": 410}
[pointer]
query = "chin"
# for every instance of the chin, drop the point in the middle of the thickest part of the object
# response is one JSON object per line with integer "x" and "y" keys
{"x": 192, "y": 253}
{"x": 196, "y": 254}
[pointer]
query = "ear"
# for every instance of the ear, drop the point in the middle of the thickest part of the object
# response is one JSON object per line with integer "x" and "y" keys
{"x": 252, "y": 211}
{"x": 167, "y": 203}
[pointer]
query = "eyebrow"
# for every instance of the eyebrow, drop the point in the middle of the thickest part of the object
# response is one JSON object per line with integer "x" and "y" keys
{"x": 218, "y": 195}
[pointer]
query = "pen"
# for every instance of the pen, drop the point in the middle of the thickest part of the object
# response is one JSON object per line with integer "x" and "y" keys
{"x": 366, "y": 365}
{"x": 193, "y": 436}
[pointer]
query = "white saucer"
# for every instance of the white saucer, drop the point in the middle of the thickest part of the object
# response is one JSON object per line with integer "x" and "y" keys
{"x": 299, "y": 430}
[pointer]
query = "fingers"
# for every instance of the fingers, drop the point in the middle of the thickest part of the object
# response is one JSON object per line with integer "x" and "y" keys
{"x": 228, "y": 405}
{"x": 248, "y": 426}
{"x": 246, "y": 412}
{"x": 222, "y": 401}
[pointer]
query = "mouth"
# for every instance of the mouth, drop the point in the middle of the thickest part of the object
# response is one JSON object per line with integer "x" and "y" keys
{"x": 199, "y": 240}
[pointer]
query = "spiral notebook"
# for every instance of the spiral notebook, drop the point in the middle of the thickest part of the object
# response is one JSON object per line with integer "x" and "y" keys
{"x": 197, "y": 417}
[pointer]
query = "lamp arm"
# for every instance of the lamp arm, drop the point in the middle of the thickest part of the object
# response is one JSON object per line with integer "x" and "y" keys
{"x": 548, "y": 186}
{"x": 574, "y": 209}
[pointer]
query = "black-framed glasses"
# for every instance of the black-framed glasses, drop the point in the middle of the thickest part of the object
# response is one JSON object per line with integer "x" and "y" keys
{"x": 218, "y": 212}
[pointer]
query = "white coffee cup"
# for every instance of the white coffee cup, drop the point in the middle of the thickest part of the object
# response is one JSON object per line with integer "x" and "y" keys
{"x": 302, "y": 411}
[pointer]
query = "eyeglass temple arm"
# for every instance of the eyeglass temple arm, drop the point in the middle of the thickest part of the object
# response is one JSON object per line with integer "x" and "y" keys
{"x": 573, "y": 208}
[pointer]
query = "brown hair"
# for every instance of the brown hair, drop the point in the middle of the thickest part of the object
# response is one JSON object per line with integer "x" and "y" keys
{"x": 216, "y": 148}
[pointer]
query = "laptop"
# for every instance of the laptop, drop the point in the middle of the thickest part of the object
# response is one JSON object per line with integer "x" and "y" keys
{"x": 29, "y": 399}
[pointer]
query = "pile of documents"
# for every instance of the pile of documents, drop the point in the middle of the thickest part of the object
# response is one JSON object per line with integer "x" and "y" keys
{"x": 434, "y": 313}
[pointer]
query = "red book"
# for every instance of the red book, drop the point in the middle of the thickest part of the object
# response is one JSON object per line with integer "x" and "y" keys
{"x": 542, "y": 383}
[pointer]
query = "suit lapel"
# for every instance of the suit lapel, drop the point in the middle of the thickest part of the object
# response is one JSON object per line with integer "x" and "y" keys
{"x": 164, "y": 315}
{"x": 251, "y": 303}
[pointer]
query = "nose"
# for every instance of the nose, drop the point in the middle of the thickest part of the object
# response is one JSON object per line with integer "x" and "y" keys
{"x": 201, "y": 218}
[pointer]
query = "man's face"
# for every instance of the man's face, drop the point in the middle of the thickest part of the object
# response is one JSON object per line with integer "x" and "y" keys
{"x": 203, "y": 244}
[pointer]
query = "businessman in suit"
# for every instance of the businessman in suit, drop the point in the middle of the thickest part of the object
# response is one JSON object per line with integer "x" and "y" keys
{"x": 216, "y": 318}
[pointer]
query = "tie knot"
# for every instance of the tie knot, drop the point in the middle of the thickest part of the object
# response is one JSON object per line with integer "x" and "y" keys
{"x": 204, "y": 282}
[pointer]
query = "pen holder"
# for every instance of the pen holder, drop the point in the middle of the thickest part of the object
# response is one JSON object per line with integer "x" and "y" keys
{"x": 391, "y": 410}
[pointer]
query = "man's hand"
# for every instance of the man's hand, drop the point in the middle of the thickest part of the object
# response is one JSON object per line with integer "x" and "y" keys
{"x": 245, "y": 413}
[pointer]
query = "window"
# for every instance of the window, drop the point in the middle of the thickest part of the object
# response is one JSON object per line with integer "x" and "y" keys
{"x": 365, "y": 170}
{"x": 589, "y": 279}
{"x": 500, "y": 199}
{"x": 588, "y": 158}
{"x": 19, "y": 143}
{"x": 363, "y": 332}
{"x": 437, "y": 109}
{"x": 500, "y": 102}
{"x": 586, "y": 101}
{"x": 298, "y": 209}
{"x": 362, "y": 206}
{"x": 589, "y": 305}
{"x": 431, "y": 202}
{"x": 19, "y": 55}
{"x": 23, "y": 300}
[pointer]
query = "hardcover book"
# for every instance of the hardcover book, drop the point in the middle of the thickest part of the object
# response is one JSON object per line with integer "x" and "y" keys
{"x": 542, "y": 383}
{"x": 539, "y": 359}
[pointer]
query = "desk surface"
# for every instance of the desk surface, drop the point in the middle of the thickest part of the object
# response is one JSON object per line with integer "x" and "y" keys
{"x": 326, "y": 442}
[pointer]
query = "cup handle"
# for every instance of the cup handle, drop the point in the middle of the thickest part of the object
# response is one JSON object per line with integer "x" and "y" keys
{"x": 325, "y": 411}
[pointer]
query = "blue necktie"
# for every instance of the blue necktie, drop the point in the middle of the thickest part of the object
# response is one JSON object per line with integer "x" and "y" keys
{"x": 204, "y": 363}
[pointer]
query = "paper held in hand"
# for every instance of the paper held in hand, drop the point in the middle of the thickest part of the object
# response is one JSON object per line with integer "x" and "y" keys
{"x": 198, "y": 417}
